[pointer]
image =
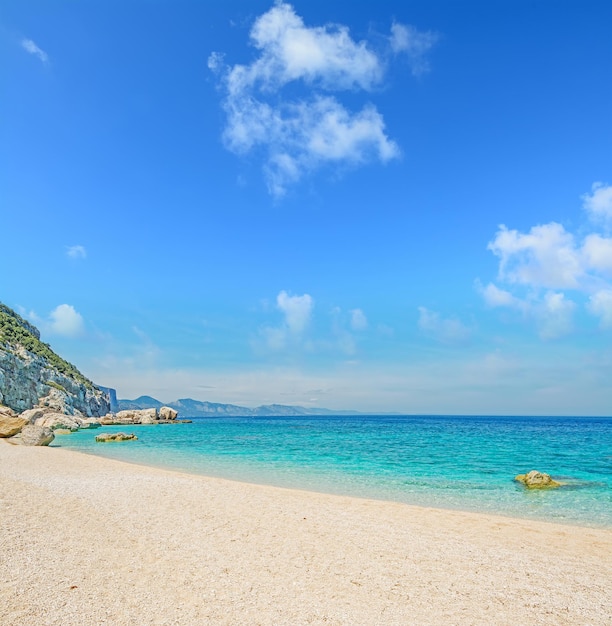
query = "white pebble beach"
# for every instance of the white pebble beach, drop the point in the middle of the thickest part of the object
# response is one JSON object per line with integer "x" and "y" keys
{"x": 87, "y": 540}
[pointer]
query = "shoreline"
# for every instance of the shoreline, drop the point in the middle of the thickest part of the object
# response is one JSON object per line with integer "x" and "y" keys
{"x": 340, "y": 494}
{"x": 93, "y": 540}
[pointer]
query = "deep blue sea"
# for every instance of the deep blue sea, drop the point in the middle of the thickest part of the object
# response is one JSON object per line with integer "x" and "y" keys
{"x": 454, "y": 462}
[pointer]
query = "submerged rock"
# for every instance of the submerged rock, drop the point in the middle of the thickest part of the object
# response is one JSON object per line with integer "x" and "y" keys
{"x": 537, "y": 480}
{"x": 105, "y": 437}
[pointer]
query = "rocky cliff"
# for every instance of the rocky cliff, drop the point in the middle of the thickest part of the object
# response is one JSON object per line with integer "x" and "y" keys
{"x": 32, "y": 375}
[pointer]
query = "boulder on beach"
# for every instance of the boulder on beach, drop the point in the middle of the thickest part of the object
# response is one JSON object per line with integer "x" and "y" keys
{"x": 537, "y": 480}
{"x": 31, "y": 415}
{"x": 32, "y": 435}
{"x": 106, "y": 437}
{"x": 10, "y": 425}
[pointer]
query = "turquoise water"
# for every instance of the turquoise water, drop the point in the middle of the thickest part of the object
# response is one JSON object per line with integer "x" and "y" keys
{"x": 456, "y": 462}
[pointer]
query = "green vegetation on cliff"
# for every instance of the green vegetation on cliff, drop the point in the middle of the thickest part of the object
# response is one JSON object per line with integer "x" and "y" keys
{"x": 15, "y": 331}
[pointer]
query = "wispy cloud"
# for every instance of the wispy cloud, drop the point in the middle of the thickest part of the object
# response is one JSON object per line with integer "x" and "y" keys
{"x": 76, "y": 252}
{"x": 600, "y": 305}
{"x": 358, "y": 320}
{"x": 406, "y": 39}
{"x": 301, "y": 333}
{"x": 507, "y": 381}
{"x": 496, "y": 297}
{"x": 554, "y": 315}
{"x": 32, "y": 48}
{"x": 302, "y": 133}
{"x": 443, "y": 329}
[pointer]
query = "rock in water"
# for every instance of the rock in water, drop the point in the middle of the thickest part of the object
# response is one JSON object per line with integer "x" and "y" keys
{"x": 537, "y": 480}
{"x": 105, "y": 437}
{"x": 10, "y": 426}
{"x": 133, "y": 416}
{"x": 36, "y": 435}
{"x": 167, "y": 413}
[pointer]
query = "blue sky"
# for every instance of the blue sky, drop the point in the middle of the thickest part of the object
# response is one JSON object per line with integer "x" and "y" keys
{"x": 389, "y": 206}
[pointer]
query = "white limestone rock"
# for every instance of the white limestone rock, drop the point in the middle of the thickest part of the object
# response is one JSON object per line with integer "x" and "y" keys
{"x": 31, "y": 415}
{"x": 32, "y": 435}
{"x": 167, "y": 413}
{"x": 54, "y": 421}
{"x": 23, "y": 385}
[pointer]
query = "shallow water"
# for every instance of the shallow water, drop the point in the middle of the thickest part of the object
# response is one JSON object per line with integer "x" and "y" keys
{"x": 452, "y": 462}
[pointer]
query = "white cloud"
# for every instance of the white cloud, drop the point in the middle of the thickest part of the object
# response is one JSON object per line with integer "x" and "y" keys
{"x": 64, "y": 320}
{"x": 309, "y": 129}
{"x": 546, "y": 256}
{"x": 301, "y": 137}
{"x": 294, "y": 335}
{"x": 32, "y": 48}
{"x": 597, "y": 251}
{"x": 598, "y": 204}
{"x": 76, "y": 252}
{"x": 446, "y": 330}
{"x": 215, "y": 62}
{"x": 326, "y": 55}
{"x": 297, "y": 311}
{"x": 496, "y": 297}
{"x": 547, "y": 261}
{"x": 552, "y": 312}
{"x": 554, "y": 315}
{"x": 415, "y": 44}
{"x": 358, "y": 320}
{"x": 600, "y": 305}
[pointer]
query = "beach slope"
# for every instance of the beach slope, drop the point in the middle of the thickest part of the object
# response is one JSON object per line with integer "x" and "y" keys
{"x": 87, "y": 540}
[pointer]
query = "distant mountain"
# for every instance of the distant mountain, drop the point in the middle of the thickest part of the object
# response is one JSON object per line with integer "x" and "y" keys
{"x": 144, "y": 402}
{"x": 187, "y": 407}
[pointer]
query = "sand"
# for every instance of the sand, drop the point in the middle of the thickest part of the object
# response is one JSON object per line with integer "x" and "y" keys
{"x": 86, "y": 540}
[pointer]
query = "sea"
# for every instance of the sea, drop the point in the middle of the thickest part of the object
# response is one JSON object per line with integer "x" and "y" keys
{"x": 453, "y": 462}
